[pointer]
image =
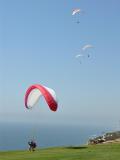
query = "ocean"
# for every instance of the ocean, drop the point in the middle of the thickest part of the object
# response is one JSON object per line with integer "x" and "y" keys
{"x": 16, "y": 136}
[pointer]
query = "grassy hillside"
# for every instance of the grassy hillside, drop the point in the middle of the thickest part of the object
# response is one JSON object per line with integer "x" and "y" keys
{"x": 96, "y": 152}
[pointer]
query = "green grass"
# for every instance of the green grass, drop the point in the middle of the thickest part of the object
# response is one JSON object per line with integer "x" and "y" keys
{"x": 95, "y": 152}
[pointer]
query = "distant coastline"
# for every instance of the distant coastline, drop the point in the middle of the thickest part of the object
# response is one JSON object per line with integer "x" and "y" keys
{"x": 109, "y": 137}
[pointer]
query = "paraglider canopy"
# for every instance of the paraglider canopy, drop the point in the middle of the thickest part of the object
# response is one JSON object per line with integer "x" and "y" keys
{"x": 34, "y": 92}
{"x": 87, "y": 46}
{"x": 75, "y": 11}
{"x": 78, "y": 55}
{"x": 87, "y": 49}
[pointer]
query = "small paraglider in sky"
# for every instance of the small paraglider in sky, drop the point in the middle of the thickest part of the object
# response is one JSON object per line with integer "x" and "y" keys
{"x": 76, "y": 13}
{"x": 34, "y": 93}
{"x": 79, "y": 56}
{"x": 86, "y": 48}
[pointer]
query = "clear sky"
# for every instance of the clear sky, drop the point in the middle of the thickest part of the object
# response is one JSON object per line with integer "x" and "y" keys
{"x": 39, "y": 40}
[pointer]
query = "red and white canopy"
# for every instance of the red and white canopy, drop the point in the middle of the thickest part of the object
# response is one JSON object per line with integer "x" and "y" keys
{"x": 34, "y": 92}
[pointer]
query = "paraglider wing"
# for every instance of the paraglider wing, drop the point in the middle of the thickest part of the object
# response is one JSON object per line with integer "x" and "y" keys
{"x": 87, "y": 46}
{"x": 34, "y": 92}
{"x": 75, "y": 11}
{"x": 78, "y": 55}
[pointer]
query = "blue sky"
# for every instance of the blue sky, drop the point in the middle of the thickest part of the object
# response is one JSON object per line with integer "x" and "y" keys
{"x": 38, "y": 44}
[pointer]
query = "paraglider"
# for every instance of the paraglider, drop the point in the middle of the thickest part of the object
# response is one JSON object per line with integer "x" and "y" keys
{"x": 34, "y": 93}
{"x": 86, "y": 49}
{"x": 76, "y": 13}
{"x": 32, "y": 96}
{"x": 78, "y": 56}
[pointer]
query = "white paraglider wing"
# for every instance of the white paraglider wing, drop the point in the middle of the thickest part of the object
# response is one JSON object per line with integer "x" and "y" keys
{"x": 87, "y": 46}
{"x": 78, "y": 55}
{"x": 75, "y": 11}
{"x": 33, "y": 98}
